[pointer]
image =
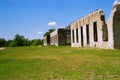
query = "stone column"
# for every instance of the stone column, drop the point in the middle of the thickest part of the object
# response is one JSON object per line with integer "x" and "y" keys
{"x": 91, "y": 35}
{"x": 72, "y": 25}
{"x": 75, "y": 34}
{"x": 79, "y": 34}
{"x": 84, "y": 36}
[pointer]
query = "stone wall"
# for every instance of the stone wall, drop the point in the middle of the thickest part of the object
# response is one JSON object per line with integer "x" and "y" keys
{"x": 61, "y": 37}
{"x": 92, "y": 31}
{"x": 46, "y": 40}
{"x": 114, "y": 26}
{"x": 64, "y": 37}
{"x": 54, "y": 38}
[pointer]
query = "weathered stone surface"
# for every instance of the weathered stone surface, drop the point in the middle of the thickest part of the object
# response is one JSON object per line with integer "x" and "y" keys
{"x": 114, "y": 26}
{"x": 93, "y": 19}
{"x": 91, "y": 30}
{"x": 60, "y": 37}
{"x": 46, "y": 40}
{"x": 54, "y": 38}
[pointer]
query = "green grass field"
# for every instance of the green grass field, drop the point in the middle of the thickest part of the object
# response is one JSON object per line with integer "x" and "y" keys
{"x": 59, "y": 63}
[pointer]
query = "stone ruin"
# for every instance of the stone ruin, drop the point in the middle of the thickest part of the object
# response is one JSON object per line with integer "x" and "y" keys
{"x": 47, "y": 40}
{"x": 92, "y": 30}
{"x": 60, "y": 37}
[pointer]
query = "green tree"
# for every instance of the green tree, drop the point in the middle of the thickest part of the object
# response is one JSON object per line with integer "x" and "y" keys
{"x": 2, "y": 42}
{"x": 27, "y": 42}
{"x": 10, "y": 43}
{"x": 19, "y": 40}
{"x": 68, "y": 26}
{"x": 36, "y": 42}
{"x": 49, "y": 31}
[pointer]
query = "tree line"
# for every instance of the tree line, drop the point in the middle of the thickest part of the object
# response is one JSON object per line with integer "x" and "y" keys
{"x": 20, "y": 40}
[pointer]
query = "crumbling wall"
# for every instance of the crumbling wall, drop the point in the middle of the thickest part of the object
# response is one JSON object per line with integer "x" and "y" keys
{"x": 64, "y": 36}
{"x": 46, "y": 40}
{"x": 54, "y": 38}
{"x": 90, "y": 30}
{"x": 114, "y": 26}
{"x": 61, "y": 37}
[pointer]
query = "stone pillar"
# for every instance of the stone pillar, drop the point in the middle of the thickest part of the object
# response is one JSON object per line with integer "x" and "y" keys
{"x": 91, "y": 35}
{"x": 110, "y": 33}
{"x": 84, "y": 36}
{"x": 75, "y": 34}
{"x": 79, "y": 34}
{"x": 71, "y": 37}
{"x": 99, "y": 31}
{"x": 72, "y": 28}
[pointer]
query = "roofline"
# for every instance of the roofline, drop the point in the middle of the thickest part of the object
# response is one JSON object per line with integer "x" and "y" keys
{"x": 85, "y": 15}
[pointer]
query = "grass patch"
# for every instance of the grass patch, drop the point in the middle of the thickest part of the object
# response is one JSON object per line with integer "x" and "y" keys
{"x": 59, "y": 63}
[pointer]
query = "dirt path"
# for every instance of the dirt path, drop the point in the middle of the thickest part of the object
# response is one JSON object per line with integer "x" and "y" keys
{"x": 2, "y": 48}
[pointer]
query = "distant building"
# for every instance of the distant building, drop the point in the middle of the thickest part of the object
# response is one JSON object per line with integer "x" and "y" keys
{"x": 60, "y": 37}
{"x": 92, "y": 30}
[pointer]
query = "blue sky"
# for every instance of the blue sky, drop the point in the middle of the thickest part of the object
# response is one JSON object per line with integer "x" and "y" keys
{"x": 31, "y": 17}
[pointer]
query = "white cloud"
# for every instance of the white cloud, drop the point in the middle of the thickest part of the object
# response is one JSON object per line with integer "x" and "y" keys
{"x": 40, "y": 32}
{"x": 52, "y": 24}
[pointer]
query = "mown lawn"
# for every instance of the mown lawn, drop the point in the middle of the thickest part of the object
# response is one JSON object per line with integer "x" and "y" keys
{"x": 59, "y": 63}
